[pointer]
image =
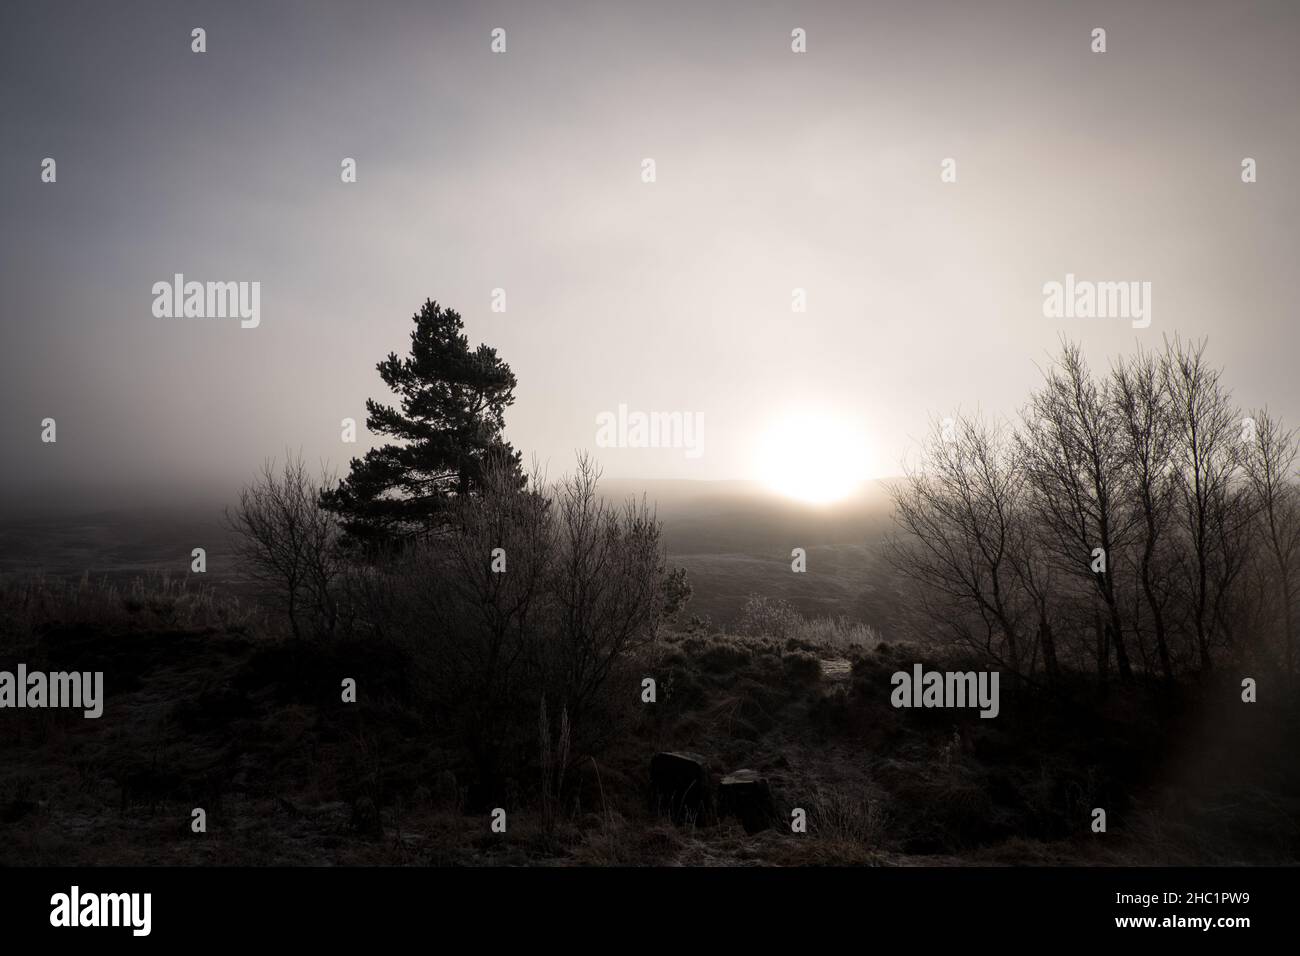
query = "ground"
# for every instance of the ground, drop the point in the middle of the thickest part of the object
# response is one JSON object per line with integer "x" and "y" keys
{"x": 206, "y": 710}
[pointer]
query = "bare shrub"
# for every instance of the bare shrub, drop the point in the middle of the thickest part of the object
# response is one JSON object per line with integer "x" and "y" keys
{"x": 840, "y": 634}
{"x": 158, "y": 601}
{"x": 532, "y": 593}
{"x": 845, "y": 816}
{"x": 611, "y": 590}
{"x": 289, "y": 544}
{"x": 768, "y": 617}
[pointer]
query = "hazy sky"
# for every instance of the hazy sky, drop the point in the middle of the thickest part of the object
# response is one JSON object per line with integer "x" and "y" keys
{"x": 775, "y": 170}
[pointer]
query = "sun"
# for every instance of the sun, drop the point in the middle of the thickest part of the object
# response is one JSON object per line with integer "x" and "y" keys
{"x": 812, "y": 456}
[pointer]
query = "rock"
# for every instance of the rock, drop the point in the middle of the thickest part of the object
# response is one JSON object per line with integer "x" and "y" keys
{"x": 679, "y": 784}
{"x": 746, "y": 795}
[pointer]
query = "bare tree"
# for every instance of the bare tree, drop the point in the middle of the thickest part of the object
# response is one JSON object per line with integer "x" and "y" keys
{"x": 1073, "y": 457}
{"x": 959, "y": 514}
{"x": 1270, "y": 468}
{"x": 1126, "y": 514}
{"x": 611, "y": 583}
{"x": 1207, "y": 460}
{"x": 531, "y": 593}
{"x": 289, "y": 543}
{"x": 1039, "y": 579}
{"x": 471, "y": 602}
{"x": 1147, "y": 440}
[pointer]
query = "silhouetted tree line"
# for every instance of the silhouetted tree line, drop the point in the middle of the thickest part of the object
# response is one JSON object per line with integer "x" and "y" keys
{"x": 1132, "y": 523}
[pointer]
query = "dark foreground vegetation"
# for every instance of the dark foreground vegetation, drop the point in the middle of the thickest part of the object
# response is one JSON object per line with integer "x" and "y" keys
{"x": 210, "y": 705}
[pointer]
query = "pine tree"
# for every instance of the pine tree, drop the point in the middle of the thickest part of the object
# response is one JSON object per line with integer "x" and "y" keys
{"x": 450, "y": 420}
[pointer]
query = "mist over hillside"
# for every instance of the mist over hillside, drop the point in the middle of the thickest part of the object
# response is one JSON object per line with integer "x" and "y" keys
{"x": 733, "y": 537}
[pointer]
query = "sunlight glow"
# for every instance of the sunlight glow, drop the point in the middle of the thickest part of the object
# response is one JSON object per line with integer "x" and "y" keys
{"x": 812, "y": 456}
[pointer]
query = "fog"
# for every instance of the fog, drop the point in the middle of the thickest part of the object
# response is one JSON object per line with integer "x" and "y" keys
{"x": 775, "y": 171}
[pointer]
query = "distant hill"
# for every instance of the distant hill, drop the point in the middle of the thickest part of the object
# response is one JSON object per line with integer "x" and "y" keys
{"x": 733, "y": 537}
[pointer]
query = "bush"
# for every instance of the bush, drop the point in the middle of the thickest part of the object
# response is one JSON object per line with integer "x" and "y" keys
{"x": 802, "y": 667}
{"x": 777, "y": 618}
{"x": 846, "y": 816}
{"x": 38, "y": 603}
{"x": 768, "y": 617}
{"x": 838, "y": 633}
{"x": 533, "y": 596}
{"x": 289, "y": 544}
